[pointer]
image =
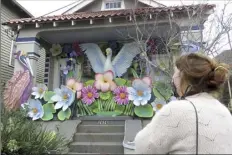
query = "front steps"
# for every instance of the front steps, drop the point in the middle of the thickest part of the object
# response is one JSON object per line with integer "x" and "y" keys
{"x": 98, "y": 137}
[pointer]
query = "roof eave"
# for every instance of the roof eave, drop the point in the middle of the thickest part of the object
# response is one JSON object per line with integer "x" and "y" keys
{"x": 66, "y": 17}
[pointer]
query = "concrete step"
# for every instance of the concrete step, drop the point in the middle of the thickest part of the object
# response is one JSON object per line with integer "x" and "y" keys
{"x": 98, "y": 137}
{"x": 96, "y": 147}
{"x": 103, "y": 122}
{"x": 100, "y": 129}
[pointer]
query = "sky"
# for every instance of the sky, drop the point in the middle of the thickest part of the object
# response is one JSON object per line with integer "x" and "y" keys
{"x": 42, "y": 7}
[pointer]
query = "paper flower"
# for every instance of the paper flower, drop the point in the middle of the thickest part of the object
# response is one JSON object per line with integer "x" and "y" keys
{"x": 77, "y": 49}
{"x": 140, "y": 92}
{"x": 157, "y": 104}
{"x": 121, "y": 95}
{"x": 75, "y": 86}
{"x": 72, "y": 54}
{"x": 35, "y": 109}
{"x": 56, "y": 49}
{"x": 65, "y": 69}
{"x": 64, "y": 98}
{"x": 39, "y": 91}
{"x": 89, "y": 94}
{"x": 104, "y": 82}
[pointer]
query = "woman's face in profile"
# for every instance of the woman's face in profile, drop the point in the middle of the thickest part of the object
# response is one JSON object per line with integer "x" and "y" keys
{"x": 176, "y": 78}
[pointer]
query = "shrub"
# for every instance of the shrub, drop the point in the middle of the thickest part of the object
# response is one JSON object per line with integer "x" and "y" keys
{"x": 21, "y": 136}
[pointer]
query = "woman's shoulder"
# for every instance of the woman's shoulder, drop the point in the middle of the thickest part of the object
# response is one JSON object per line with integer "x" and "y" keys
{"x": 175, "y": 109}
{"x": 177, "y": 105}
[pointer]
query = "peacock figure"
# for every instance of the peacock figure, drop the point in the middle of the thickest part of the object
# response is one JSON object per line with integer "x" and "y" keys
{"x": 19, "y": 87}
{"x": 118, "y": 66}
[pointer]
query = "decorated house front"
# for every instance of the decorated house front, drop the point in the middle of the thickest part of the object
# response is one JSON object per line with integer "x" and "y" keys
{"x": 97, "y": 63}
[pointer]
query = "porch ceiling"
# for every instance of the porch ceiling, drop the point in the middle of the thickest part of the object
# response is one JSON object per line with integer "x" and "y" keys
{"x": 103, "y": 34}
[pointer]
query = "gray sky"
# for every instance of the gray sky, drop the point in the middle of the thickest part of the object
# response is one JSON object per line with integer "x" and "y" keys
{"x": 41, "y": 7}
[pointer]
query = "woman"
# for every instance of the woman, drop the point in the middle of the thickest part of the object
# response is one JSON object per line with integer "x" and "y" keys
{"x": 176, "y": 129}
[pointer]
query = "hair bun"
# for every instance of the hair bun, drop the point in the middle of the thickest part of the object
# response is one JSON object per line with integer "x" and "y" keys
{"x": 219, "y": 74}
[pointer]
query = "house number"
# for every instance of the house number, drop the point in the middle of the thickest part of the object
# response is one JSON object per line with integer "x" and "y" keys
{"x": 102, "y": 122}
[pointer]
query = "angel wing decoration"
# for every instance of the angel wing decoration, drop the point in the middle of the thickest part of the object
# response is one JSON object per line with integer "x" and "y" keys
{"x": 119, "y": 65}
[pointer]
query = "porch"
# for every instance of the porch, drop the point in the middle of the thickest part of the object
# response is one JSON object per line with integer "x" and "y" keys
{"x": 103, "y": 29}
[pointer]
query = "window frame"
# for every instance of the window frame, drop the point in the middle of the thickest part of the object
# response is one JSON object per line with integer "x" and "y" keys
{"x": 104, "y": 2}
{"x": 12, "y": 50}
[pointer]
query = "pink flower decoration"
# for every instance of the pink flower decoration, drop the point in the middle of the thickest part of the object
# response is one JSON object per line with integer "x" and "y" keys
{"x": 121, "y": 95}
{"x": 104, "y": 82}
{"x": 89, "y": 94}
{"x": 75, "y": 86}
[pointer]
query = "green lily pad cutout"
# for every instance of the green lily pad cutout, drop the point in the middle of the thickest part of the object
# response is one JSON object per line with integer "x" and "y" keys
{"x": 48, "y": 95}
{"x": 105, "y": 96}
{"x": 157, "y": 94}
{"x": 120, "y": 108}
{"x": 62, "y": 115}
{"x": 49, "y": 110}
{"x": 89, "y": 83}
{"x": 107, "y": 113}
{"x": 120, "y": 81}
{"x": 145, "y": 111}
{"x": 162, "y": 90}
{"x": 128, "y": 83}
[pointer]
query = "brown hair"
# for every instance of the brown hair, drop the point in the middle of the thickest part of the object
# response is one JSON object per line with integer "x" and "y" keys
{"x": 201, "y": 72}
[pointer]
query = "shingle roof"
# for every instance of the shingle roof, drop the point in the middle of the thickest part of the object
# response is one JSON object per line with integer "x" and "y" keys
{"x": 104, "y": 14}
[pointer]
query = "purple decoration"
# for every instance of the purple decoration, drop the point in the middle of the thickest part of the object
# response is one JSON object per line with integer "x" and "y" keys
{"x": 77, "y": 49}
{"x": 89, "y": 94}
{"x": 27, "y": 92}
{"x": 121, "y": 95}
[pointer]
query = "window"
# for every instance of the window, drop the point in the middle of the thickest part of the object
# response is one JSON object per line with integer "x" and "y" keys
{"x": 12, "y": 51}
{"x": 113, "y": 5}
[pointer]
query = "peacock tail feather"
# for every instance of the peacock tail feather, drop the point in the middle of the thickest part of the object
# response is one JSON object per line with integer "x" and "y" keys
{"x": 15, "y": 89}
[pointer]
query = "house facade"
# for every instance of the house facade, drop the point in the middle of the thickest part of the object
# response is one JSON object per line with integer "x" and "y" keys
{"x": 9, "y": 10}
{"x": 12, "y": 10}
{"x": 101, "y": 21}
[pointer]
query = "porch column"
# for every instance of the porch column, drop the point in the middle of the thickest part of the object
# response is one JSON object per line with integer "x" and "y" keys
{"x": 30, "y": 46}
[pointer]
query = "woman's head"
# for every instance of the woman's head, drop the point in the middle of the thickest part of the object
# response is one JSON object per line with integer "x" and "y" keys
{"x": 200, "y": 72}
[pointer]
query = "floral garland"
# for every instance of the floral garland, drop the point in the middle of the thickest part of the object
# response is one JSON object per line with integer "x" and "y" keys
{"x": 103, "y": 96}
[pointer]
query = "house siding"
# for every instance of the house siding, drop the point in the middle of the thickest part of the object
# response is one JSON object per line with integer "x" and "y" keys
{"x": 97, "y": 5}
{"x": 6, "y": 70}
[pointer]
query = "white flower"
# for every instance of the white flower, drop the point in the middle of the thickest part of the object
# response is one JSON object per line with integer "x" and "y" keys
{"x": 64, "y": 97}
{"x": 56, "y": 49}
{"x": 36, "y": 110}
{"x": 157, "y": 104}
{"x": 39, "y": 91}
